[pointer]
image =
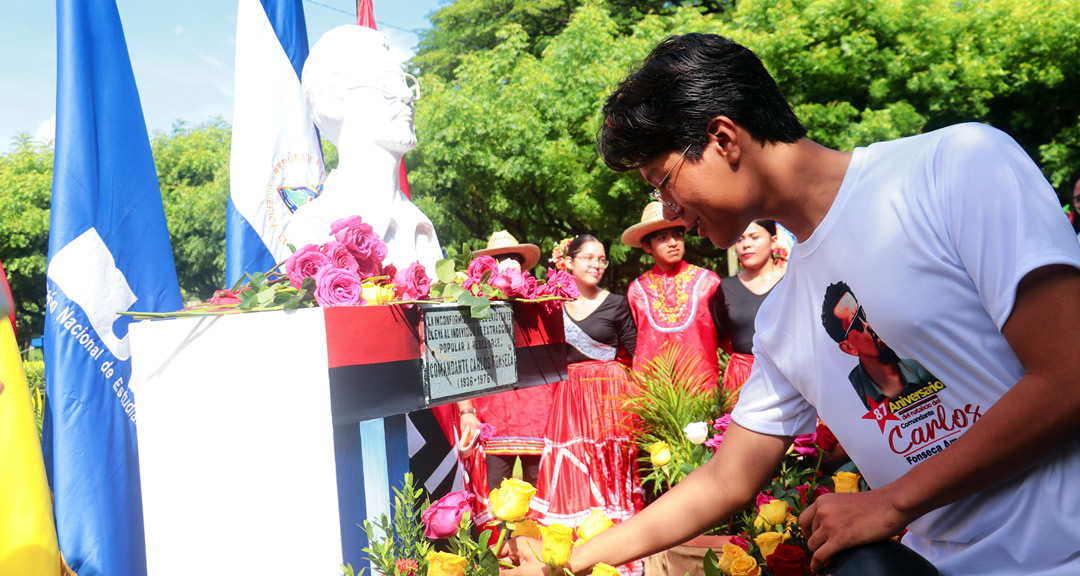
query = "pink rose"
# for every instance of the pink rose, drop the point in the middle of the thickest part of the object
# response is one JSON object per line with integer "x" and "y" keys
{"x": 720, "y": 425}
{"x": 741, "y": 542}
{"x": 487, "y": 431}
{"x": 338, "y": 287}
{"x": 339, "y": 255}
{"x": 763, "y": 498}
{"x": 528, "y": 291}
{"x": 559, "y": 283}
{"x": 413, "y": 283}
{"x": 305, "y": 263}
{"x": 360, "y": 239}
{"x": 443, "y": 518}
{"x": 478, "y": 267}
{"x": 367, "y": 268}
{"x": 804, "y": 445}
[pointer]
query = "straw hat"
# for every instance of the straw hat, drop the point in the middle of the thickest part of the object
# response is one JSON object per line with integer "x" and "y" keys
{"x": 502, "y": 242}
{"x": 652, "y": 219}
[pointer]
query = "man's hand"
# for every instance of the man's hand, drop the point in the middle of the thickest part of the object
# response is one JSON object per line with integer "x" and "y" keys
{"x": 524, "y": 553}
{"x": 836, "y": 522}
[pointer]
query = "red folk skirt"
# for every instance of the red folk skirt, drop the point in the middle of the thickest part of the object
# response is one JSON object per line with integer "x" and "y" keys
{"x": 590, "y": 459}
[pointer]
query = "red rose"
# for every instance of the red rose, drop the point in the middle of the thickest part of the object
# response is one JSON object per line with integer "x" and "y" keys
{"x": 825, "y": 438}
{"x": 788, "y": 560}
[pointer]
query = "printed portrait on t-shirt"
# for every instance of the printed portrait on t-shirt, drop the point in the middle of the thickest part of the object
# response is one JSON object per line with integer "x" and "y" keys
{"x": 881, "y": 379}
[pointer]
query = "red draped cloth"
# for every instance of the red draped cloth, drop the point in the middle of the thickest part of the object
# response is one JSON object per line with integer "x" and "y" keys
{"x": 674, "y": 306}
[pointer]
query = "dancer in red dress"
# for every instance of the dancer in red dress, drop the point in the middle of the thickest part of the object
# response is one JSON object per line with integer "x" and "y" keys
{"x": 590, "y": 460}
{"x": 671, "y": 301}
{"x": 517, "y": 417}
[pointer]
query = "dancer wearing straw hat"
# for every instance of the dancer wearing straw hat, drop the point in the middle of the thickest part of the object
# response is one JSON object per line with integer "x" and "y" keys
{"x": 504, "y": 247}
{"x": 670, "y": 302}
{"x": 518, "y": 416}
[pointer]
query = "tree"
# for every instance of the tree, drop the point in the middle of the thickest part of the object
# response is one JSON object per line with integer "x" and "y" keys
{"x": 465, "y": 27}
{"x": 26, "y": 174}
{"x": 507, "y": 140}
{"x": 193, "y": 171}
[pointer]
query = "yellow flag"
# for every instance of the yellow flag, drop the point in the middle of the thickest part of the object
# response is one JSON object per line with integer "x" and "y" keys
{"x": 27, "y": 533}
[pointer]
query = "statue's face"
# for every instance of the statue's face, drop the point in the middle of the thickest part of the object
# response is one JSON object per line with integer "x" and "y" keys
{"x": 351, "y": 76}
{"x": 384, "y": 101}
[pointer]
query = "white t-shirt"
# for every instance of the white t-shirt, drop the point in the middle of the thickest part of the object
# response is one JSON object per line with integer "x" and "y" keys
{"x": 932, "y": 234}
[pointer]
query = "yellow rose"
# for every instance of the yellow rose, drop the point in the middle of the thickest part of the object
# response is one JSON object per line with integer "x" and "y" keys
{"x": 526, "y": 528}
{"x": 731, "y": 553}
{"x": 768, "y": 541}
{"x": 659, "y": 454}
{"x": 375, "y": 295}
{"x": 594, "y": 524}
{"x": 846, "y": 482}
{"x": 773, "y": 512}
{"x": 445, "y": 564}
{"x": 602, "y": 569}
{"x": 743, "y": 566}
{"x": 558, "y": 544}
{"x": 510, "y": 502}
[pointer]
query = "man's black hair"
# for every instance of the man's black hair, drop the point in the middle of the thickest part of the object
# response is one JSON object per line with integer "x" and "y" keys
{"x": 666, "y": 104}
{"x": 833, "y": 325}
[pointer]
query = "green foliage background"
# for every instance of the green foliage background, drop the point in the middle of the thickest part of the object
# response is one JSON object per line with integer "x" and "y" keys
{"x": 512, "y": 91}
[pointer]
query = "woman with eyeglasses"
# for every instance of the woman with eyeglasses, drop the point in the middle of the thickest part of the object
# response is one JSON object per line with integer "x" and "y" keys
{"x": 587, "y": 450}
{"x": 739, "y": 297}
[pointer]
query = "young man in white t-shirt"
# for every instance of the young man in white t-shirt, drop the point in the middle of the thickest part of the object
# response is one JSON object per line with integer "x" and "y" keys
{"x": 955, "y": 242}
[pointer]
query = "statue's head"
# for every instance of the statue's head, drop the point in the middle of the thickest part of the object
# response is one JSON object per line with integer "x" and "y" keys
{"x": 350, "y": 73}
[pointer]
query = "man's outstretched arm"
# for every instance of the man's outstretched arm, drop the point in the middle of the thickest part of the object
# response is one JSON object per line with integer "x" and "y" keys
{"x": 1028, "y": 422}
{"x": 724, "y": 485}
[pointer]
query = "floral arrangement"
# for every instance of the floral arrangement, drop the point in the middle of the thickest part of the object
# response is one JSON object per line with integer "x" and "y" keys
{"x": 680, "y": 423}
{"x": 349, "y": 270}
{"x": 405, "y": 545}
{"x": 772, "y": 544}
{"x": 558, "y": 254}
{"x": 673, "y": 407}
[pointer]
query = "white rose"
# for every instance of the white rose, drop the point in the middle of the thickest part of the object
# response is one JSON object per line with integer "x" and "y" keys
{"x": 697, "y": 432}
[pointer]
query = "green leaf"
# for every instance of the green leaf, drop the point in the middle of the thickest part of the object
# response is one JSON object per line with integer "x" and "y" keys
{"x": 444, "y": 270}
{"x": 712, "y": 564}
{"x": 266, "y": 296}
{"x": 481, "y": 309}
{"x": 453, "y": 291}
{"x": 488, "y": 564}
{"x": 294, "y": 302}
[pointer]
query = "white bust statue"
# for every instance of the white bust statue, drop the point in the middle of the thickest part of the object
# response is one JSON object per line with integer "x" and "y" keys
{"x": 362, "y": 101}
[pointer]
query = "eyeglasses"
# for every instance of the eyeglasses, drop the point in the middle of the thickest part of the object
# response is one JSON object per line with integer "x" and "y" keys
{"x": 390, "y": 84}
{"x": 656, "y": 191}
{"x": 591, "y": 260}
{"x": 860, "y": 319}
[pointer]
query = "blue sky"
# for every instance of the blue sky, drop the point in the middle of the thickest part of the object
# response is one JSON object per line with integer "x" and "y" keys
{"x": 182, "y": 54}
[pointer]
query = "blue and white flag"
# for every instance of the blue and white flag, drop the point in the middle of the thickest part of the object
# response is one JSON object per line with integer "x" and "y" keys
{"x": 276, "y": 163}
{"x": 109, "y": 251}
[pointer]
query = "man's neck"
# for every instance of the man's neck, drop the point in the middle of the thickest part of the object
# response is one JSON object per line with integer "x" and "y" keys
{"x": 801, "y": 182}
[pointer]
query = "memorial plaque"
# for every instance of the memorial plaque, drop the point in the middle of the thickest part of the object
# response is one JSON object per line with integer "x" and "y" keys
{"x": 464, "y": 356}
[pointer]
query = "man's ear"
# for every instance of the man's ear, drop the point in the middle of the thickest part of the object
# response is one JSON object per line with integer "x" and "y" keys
{"x": 726, "y": 137}
{"x": 646, "y": 245}
{"x": 847, "y": 348}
